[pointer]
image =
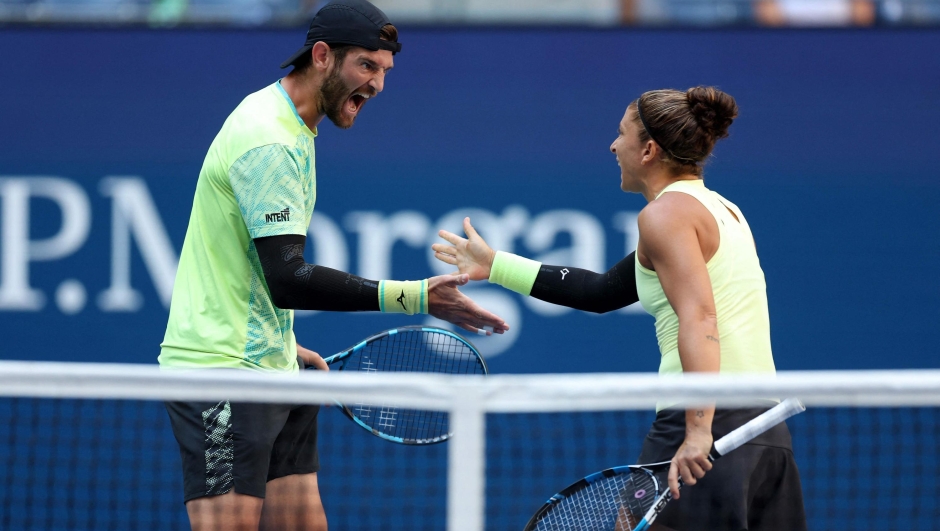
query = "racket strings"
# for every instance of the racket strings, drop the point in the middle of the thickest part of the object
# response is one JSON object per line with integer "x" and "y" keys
{"x": 412, "y": 351}
{"x": 615, "y": 503}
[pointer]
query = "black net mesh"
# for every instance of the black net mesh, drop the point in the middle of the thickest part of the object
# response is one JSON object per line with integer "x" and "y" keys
{"x": 114, "y": 465}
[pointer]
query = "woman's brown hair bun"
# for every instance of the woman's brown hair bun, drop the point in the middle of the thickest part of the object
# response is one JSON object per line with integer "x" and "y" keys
{"x": 713, "y": 110}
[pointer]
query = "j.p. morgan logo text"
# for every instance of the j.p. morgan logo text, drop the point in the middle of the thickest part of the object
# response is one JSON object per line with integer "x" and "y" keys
{"x": 277, "y": 217}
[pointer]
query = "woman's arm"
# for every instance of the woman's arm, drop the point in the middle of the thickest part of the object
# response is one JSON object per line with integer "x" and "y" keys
{"x": 563, "y": 285}
{"x": 586, "y": 290}
{"x": 670, "y": 232}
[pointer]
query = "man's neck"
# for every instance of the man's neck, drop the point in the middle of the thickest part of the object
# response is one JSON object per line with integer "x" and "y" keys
{"x": 301, "y": 91}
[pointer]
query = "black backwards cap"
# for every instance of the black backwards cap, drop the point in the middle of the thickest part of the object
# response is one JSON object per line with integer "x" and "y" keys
{"x": 355, "y": 22}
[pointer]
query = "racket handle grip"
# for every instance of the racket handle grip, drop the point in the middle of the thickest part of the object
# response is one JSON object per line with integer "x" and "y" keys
{"x": 757, "y": 426}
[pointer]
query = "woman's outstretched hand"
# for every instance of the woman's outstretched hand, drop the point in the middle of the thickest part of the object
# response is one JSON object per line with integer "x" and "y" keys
{"x": 471, "y": 255}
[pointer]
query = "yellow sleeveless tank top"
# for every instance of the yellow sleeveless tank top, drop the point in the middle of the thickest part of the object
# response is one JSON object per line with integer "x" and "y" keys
{"x": 737, "y": 283}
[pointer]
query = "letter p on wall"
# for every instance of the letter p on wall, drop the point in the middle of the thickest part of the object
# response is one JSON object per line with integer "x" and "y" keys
{"x": 17, "y": 250}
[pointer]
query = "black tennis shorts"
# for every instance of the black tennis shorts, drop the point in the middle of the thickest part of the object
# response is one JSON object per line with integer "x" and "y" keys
{"x": 226, "y": 445}
{"x": 755, "y": 488}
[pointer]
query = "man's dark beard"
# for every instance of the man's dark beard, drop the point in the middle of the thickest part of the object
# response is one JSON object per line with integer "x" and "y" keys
{"x": 333, "y": 95}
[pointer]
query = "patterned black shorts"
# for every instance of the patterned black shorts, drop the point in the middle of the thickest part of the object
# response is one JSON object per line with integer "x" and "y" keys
{"x": 239, "y": 445}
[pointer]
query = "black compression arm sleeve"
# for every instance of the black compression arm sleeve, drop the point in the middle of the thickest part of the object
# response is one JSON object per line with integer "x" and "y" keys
{"x": 297, "y": 285}
{"x": 585, "y": 290}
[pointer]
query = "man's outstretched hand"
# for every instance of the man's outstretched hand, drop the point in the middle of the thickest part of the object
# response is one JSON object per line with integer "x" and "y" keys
{"x": 446, "y": 302}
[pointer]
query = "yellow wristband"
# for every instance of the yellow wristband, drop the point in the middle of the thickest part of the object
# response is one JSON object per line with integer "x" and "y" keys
{"x": 409, "y": 297}
{"x": 514, "y": 272}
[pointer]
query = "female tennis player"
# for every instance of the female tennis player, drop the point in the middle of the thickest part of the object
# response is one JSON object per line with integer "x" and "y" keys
{"x": 696, "y": 271}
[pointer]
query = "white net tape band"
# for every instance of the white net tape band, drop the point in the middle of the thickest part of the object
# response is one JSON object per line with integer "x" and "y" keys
{"x": 495, "y": 393}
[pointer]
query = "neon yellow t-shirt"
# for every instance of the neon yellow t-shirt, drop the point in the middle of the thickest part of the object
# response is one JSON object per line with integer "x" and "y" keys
{"x": 258, "y": 180}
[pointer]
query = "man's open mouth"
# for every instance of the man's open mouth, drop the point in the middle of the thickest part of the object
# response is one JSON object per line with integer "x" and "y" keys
{"x": 355, "y": 103}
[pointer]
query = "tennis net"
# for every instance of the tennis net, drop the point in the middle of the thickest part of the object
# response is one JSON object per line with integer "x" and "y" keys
{"x": 89, "y": 446}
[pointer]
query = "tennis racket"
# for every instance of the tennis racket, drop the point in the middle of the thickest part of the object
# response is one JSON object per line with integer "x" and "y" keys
{"x": 407, "y": 349}
{"x": 629, "y": 498}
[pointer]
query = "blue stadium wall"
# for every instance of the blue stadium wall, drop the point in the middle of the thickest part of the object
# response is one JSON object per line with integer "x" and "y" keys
{"x": 833, "y": 160}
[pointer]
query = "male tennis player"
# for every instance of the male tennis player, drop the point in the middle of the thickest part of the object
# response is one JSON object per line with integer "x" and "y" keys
{"x": 696, "y": 270}
{"x": 242, "y": 272}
